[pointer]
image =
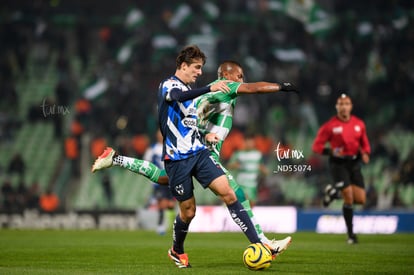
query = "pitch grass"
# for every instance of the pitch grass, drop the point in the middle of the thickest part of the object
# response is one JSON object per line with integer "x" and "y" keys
{"x": 144, "y": 252}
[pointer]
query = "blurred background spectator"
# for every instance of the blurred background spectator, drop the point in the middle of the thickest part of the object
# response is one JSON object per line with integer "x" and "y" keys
{"x": 49, "y": 201}
{"x": 17, "y": 166}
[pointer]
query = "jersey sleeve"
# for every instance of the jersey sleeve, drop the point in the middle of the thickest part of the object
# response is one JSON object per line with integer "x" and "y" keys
{"x": 234, "y": 86}
{"x": 181, "y": 96}
{"x": 166, "y": 87}
{"x": 322, "y": 137}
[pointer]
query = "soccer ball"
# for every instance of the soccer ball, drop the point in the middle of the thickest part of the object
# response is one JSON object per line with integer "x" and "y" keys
{"x": 257, "y": 257}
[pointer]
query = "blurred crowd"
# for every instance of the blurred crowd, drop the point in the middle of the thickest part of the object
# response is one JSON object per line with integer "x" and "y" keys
{"x": 21, "y": 197}
{"x": 362, "y": 48}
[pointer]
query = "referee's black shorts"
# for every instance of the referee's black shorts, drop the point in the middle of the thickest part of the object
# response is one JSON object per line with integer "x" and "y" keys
{"x": 347, "y": 171}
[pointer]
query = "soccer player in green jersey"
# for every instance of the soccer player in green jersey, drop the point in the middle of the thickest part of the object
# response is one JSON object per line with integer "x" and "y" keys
{"x": 215, "y": 119}
{"x": 248, "y": 162}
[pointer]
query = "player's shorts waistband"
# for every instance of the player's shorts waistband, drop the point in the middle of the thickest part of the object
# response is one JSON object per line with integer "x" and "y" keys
{"x": 349, "y": 157}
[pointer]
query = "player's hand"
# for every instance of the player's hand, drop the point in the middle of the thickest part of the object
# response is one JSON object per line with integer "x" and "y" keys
{"x": 220, "y": 86}
{"x": 212, "y": 138}
{"x": 365, "y": 158}
{"x": 288, "y": 87}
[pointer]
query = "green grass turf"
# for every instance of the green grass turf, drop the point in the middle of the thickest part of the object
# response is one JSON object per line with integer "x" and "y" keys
{"x": 144, "y": 252}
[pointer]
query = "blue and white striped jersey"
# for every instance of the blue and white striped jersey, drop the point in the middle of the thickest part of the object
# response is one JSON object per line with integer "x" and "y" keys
{"x": 178, "y": 122}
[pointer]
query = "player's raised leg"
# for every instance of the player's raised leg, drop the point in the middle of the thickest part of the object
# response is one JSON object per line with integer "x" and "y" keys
{"x": 110, "y": 158}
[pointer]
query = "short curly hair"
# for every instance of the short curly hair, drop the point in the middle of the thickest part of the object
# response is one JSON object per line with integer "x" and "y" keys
{"x": 188, "y": 54}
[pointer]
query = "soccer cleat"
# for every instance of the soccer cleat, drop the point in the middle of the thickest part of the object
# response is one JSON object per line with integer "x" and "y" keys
{"x": 180, "y": 260}
{"x": 104, "y": 160}
{"x": 278, "y": 246}
{"x": 329, "y": 195}
{"x": 352, "y": 239}
{"x": 271, "y": 250}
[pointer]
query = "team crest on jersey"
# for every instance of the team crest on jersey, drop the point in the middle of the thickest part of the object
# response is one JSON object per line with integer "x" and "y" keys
{"x": 337, "y": 130}
{"x": 357, "y": 128}
{"x": 179, "y": 189}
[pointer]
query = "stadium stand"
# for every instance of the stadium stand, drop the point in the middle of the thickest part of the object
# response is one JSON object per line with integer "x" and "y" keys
{"x": 34, "y": 139}
{"x": 130, "y": 191}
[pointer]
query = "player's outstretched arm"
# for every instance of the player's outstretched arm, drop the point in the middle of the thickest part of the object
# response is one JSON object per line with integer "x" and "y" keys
{"x": 179, "y": 95}
{"x": 266, "y": 87}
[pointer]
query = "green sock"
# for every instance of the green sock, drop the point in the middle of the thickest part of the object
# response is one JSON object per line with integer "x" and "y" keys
{"x": 143, "y": 167}
{"x": 246, "y": 205}
{"x": 170, "y": 216}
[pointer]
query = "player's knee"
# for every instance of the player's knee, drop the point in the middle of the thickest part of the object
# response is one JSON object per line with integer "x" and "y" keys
{"x": 187, "y": 210}
{"x": 226, "y": 194}
{"x": 220, "y": 186}
{"x": 348, "y": 198}
{"x": 361, "y": 200}
{"x": 187, "y": 215}
{"x": 229, "y": 197}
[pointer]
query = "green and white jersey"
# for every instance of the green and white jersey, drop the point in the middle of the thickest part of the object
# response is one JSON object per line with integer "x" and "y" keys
{"x": 249, "y": 170}
{"x": 215, "y": 113}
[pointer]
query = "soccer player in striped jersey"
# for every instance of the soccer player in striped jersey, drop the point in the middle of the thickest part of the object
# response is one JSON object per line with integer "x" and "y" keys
{"x": 185, "y": 155}
{"x": 215, "y": 119}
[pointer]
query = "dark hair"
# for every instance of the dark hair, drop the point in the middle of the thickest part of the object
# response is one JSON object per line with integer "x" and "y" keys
{"x": 188, "y": 54}
{"x": 343, "y": 95}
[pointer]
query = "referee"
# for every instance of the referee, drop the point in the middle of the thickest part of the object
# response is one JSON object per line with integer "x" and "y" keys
{"x": 349, "y": 145}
